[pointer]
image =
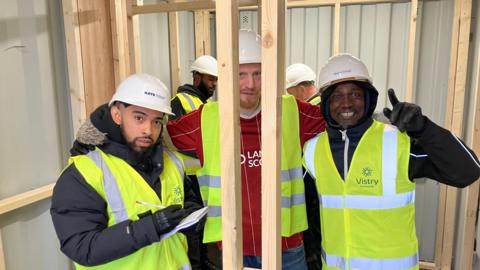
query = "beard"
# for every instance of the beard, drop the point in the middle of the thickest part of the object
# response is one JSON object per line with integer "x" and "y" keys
{"x": 208, "y": 92}
{"x": 139, "y": 151}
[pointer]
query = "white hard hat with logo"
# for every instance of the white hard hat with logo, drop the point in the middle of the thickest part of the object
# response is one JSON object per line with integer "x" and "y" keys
{"x": 144, "y": 90}
{"x": 205, "y": 64}
{"x": 342, "y": 67}
{"x": 249, "y": 47}
{"x": 298, "y": 73}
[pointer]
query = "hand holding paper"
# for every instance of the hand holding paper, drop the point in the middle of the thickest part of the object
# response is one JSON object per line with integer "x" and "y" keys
{"x": 188, "y": 221}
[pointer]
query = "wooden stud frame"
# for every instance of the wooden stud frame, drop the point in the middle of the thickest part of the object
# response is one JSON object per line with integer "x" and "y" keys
{"x": 273, "y": 83}
{"x": 471, "y": 208}
{"x": 202, "y": 33}
{"x": 454, "y": 122}
{"x": 228, "y": 68}
{"x": 2, "y": 256}
{"x": 173, "y": 35}
{"x": 227, "y": 44}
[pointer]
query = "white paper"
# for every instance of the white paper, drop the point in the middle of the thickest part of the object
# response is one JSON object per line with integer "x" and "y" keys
{"x": 188, "y": 221}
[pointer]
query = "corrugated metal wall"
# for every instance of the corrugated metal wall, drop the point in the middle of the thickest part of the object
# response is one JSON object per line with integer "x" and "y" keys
{"x": 35, "y": 126}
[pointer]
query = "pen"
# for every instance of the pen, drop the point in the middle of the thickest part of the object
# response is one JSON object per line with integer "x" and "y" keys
{"x": 151, "y": 204}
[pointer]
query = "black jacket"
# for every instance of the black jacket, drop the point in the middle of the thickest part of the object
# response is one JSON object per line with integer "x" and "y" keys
{"x": 436, "y": 154}
{"x": 177, "y": 107}
{"x": 79, "y": 213}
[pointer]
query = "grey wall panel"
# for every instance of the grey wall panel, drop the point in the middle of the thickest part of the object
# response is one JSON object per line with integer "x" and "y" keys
{"x": 154, "y": 51}
{"x": 155, "y": 47}
{"x": 35, "y": 127}
{"x": 30, "y": 241}
{"x": 187, "y": 44}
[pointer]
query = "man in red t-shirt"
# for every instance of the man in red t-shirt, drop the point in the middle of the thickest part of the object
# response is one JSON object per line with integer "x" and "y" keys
{"x": 186, "y": 135}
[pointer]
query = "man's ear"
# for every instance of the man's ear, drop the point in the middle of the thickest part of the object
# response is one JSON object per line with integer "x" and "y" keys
{"x": 197, "y": 78}
{"x": 116, "y": 114}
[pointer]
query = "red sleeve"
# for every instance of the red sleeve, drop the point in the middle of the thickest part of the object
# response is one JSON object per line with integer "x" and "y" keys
{"x": 185, "y": 133}
{"x": 311, "y": 120}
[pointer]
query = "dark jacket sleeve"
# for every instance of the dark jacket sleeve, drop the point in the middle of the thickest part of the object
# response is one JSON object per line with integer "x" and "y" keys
{"x": 177, "y": 108}
{"x": 79, "y": 216}
{"x": 438, "y": 154}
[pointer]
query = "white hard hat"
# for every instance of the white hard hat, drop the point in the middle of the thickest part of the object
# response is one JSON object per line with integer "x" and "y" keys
{"x": 298, "y": 73}
{"x": 205, "y": 64}
{"x": 144, "y": 90}
{"x": 249, "y": 47}
{"x": 342, "y": 67}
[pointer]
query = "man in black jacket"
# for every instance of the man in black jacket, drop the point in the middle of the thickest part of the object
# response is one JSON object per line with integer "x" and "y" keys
{"x": 364, "y": 170}
{"x": 111, "y": 206}
{"x": 190, "y": 96}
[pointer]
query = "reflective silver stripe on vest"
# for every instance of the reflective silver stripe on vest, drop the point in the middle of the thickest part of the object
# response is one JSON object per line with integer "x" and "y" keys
{"x": 291, "y": 174}
{"x": 390, "y": 264}
{"x": 177, "y": 162}
{"x": 295, "y": 199}
{"x": 190, "y": 162}
{"x": 370, "y": 263}
{"x": 214, "y": 181}
{"x": 210, "y": 181}
{"x": 334, "y": 261}
{"x": 367, "y": 202}
{"x": 309, "y": 155}
{"x": 185, "y": 267}
{"x": 189, "y": 100}
{"x": 214, "y": 211}
{"x": 112, "y": 192}
{"x": 389, "y": 160}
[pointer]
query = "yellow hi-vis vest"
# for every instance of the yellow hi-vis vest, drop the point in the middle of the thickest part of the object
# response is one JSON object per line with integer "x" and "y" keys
{"x": 315, "y": 101}
{"x": 368, "y": 220}
{"x": 121, "y": 187}
{"x": 293, "y": 210}
{"x": 189, "y": 103}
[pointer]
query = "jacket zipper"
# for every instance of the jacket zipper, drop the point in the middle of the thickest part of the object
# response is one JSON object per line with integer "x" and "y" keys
{"x": 345, "y": 153}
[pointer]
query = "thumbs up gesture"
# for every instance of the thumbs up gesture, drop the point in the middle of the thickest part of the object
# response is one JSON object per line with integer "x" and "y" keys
{"x": 406, "y": 116}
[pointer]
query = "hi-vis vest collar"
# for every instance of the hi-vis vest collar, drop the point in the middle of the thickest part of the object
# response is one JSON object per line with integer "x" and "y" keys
{"x": 382, "y": 202}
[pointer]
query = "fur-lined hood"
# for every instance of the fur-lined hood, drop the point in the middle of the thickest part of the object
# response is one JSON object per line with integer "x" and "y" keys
{"x": 89, "y": 134}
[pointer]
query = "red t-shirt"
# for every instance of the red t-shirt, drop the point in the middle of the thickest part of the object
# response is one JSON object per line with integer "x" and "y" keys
{"x": 186, "y": 135}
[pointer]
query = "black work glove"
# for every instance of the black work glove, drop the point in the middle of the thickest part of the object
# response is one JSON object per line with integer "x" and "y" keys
{"x": 166, "y": 219}
{"x": 406, "y": 116}
{"x": 79, "y": 148}
{"x": 195, "y": 229}
{"x": 191, "y": 207}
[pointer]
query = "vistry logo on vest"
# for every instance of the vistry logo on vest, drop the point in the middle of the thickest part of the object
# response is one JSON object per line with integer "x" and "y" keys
{"x": 366, "y": 180}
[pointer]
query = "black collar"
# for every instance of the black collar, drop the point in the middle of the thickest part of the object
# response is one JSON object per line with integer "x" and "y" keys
{"x": 355, "y": 132}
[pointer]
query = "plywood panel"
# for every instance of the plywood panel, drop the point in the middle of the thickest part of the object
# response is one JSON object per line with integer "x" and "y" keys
{"x": 95, "y": 32}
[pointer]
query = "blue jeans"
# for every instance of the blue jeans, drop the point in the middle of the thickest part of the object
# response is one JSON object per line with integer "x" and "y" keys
{"x": 292, "y": 259}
